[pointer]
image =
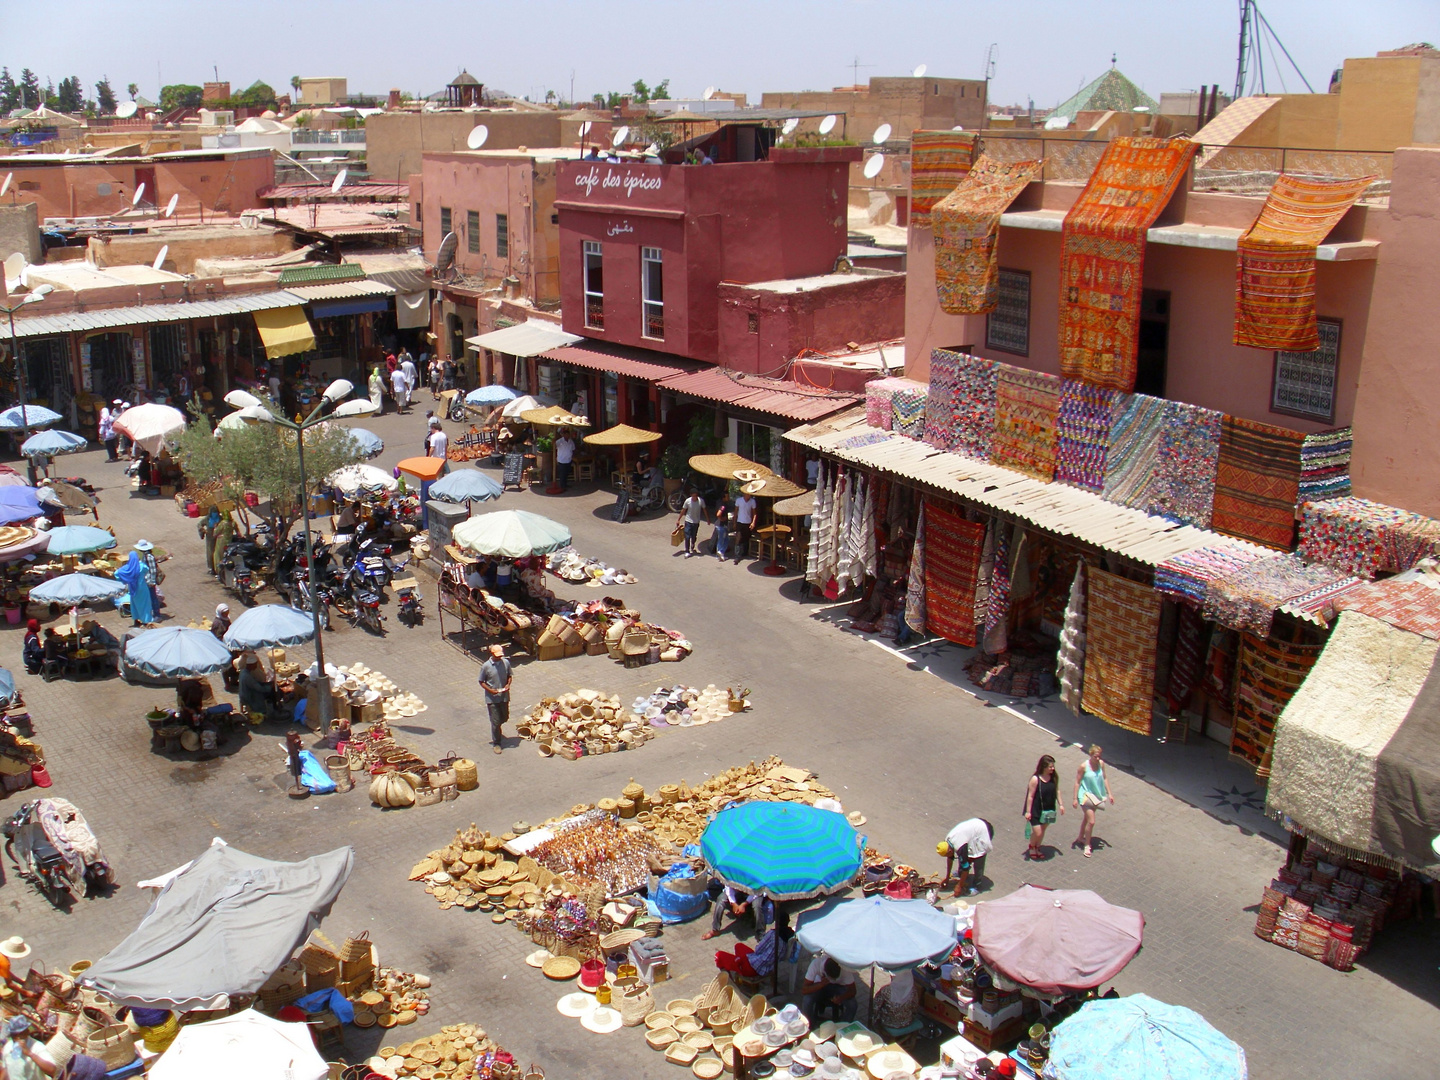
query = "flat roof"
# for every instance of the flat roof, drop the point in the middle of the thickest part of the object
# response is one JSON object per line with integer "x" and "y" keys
{"x": 81, "y": 275}
{"x": 788, "y": 286}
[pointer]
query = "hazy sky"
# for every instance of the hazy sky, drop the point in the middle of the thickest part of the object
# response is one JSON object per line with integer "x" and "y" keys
{"x": 1046, "y": 49}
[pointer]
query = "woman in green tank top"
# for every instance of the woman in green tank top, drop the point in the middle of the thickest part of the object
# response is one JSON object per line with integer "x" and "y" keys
{"x": 1092, "y": 789}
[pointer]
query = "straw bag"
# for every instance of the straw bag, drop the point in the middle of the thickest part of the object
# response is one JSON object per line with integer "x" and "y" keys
{"x": 425, "y": 795}
{"x": 114, "y": 1045}
{"x": 62, "y": 1048}
{"x": 677, "y": 537}
{"x": 356, "y": 947}
{"x": 635, "y": 1005}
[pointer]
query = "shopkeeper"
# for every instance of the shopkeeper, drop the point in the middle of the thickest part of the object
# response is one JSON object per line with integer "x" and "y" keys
{"x": 257, "y": 688}
{"x": 24, "y": 1057}
{"x": 968, "y": 843}
{"x": 739, "y": 904}
{"x": 828, "y": 987}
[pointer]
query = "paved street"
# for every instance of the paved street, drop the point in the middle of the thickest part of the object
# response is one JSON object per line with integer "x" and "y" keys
{"x": 904, "y": 745}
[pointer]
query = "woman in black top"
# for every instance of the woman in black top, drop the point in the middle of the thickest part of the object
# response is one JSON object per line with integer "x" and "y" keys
{"x": 1040, "y": 805}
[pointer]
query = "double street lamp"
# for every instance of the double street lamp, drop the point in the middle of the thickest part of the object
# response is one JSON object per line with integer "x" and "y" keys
{"x": 34, "y": 296}
{"x": 328, "y": 408}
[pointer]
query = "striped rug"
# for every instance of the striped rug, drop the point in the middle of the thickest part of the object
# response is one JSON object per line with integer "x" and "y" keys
{"x": 1130, "y": 457}
{"x": 1257, "y": 482}
{"x": 1122, "y": 626}
{"x": 952, "y": 565}
{"x": 939, "y": 160}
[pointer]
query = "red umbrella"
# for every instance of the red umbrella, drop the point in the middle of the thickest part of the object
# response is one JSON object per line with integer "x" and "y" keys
{"x": 1056, "y": 941}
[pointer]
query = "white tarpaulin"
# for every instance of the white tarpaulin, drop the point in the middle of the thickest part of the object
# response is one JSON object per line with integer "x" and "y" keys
{"x": 245, "y": 1046}
{"x": 412, "y": 309}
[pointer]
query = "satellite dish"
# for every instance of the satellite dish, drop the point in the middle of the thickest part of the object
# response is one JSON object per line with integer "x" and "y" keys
{"x": 1057, "y": 123}
{"x": 4, "y": 187}
{"x": 585, "y": 129}
{"x": 478, "y": 134}
{"x": 445, "y": 257}
{"x": 709, "y": 93}
{"x": 171, "y": 205}
{"x": 160, "y": 257}
{"x": 621, "y": 134}
{"x": 919, "y": 72}
{"x": 790, "y": 125}
{"x": 126, "y": 109}
{"x": 339, "y": 181}
{"x": 139, "y": 194}
{"x": 881, "y": 134}
{"x": 827, "y": 125}
{"x": 873, "y": 164}
{"x": 958, "y": 127}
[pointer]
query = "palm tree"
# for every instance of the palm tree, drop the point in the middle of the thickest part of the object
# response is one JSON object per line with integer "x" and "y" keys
{"x": 133, "y": 90}
{"x": 295, "y": 85}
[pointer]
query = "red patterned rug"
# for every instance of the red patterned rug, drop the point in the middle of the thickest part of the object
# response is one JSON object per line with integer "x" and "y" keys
{"x": 952, "y": 568}
{"x": 939, "y": 160}
{"x": 1122, "y": 625}
{"x": 1257, "y": 482}
{"x": 966, "y": 224}
{"x": 1026, "y": 404}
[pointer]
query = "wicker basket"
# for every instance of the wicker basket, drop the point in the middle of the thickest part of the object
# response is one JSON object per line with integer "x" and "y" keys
{"x": 636, "y": 1004}
{"x": 426, "y": 795}
{"x": 114, "y": 1045}
{"x": 467, "y": 775}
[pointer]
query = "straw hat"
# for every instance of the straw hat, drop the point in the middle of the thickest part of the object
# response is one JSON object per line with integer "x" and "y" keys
{"x": 891, "y": 1063}
{"x": 538, "y": 957}
{"x": 602, "y": 1020}
{"x": 856, "y": 818}
{"x": 576, "y": 1005}
{"x": 14, "y": 948}
{"x": 858, "y": 1042}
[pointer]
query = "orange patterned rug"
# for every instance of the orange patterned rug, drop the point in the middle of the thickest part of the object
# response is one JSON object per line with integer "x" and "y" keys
{"x": 1122, "y": 626}
{"x": 1102, "y": 255}
{"x": 1275, "y": 271}
{"x": 939, "y": 160}
{"x": 966, "y": 224}
{"x": 1257, "y": 482}
{"x": 952, "y": 571}
{"x": 1026, "y": 406}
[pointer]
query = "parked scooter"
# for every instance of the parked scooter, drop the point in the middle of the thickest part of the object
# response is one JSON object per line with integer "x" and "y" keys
{"x": 411, "y": 611}
{"x": 52, "y": 845}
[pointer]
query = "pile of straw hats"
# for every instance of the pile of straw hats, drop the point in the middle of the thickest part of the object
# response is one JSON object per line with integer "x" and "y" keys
{"x": 472, "y": 872}
{"x": 365, "y": 686}
{"x": 585, "y": 720}
{"x": 402, "y": 706}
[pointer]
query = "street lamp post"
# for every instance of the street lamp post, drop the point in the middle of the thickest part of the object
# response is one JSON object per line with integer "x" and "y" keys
{"x": 34, "y": 296}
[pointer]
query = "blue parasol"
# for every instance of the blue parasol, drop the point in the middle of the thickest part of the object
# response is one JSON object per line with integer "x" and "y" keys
{"x": 465, "y": 486}
{"x": 36, "y": 416}
{"x": 78, "y": 539}
{"x": 176, "y": 652}
{"x": 270, "y": 625}
{"x": 490, "y": 395}
{"x": 371, "y": 445}
{"x": 1139, "y": 1038}
{"x": 18, "y": 504}
{"x": 786, "y": 851}
{"x": 51, "y": 443}
{"x": 894, "y": 934}
{"x": 71, "y": 589}
{"x": 7, "y": 686}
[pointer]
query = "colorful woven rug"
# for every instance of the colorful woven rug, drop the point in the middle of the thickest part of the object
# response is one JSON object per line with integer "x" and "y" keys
{"x": 1248, "y": 598}
{"x": 909, "y": 407}
{"x": 879, "y": 413}
{"x": 952, "y": 564}
{"x": 915, "y": 582}
{"x": 1130, "y": 458}
{"x": 1275, "y": 270}
{"x": 940, "y": 405}
{"x": 1186, "y": 661}
{"x": 975, "y": 383}
{"x": 1361, "y": 537}
{"x": 1257, "y": 482}
{"x": 1026, "y": 403}
{"x": 1122, "y": 625}
{"x": 1188, "y": 576}
{"x": 1082, "y": 433}
{"x": 1325, "y": 465}
{"x": 1406, "y": 603}
{"x": 939, "y": 160}
{"x": 966, "y": 224}
{"x": 1267, "y": 677}
{"x": 1184, "y": 486}
{"x": 1102, "y": 256}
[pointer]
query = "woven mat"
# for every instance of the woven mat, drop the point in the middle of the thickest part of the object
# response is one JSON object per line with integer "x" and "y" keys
{"x": 879, "y": 413}
{"x": 1267, "y": 676}
{"x": 1408, "y": 605}
{"x": 1130, "y": 457}
{"x": 1185, "y": 460}
{"x": 1325, "y": 465}
{"x": 939, "y": 160}
{"x": 1082, "y": 433}
{"x": 1188, "y": 576}
{"x": 1257, "y": 482}
{"x": 940, "y": 405}
{"x": 952, "y": 565}
{"x": 1248, "y": 598}
{"x": 1102, "y": 256}
{"x": 1275, "y": 268}
{"x": 909, "y": 407}
{"x": 1122, "y": 624}
{"x": 915, "y": 612}
{"x": 974, "y": 406}
{"x": 1026, "y": 404}
{"x": 966, "y": 224}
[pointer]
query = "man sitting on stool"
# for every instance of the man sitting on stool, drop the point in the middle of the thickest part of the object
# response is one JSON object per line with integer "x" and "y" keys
{"x": 828, "y": 988}
{"x": 739, "y": 903}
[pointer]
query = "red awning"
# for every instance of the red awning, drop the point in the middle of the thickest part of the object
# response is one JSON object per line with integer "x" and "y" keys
{"x": 632, "y": 363}
{"x": 778, "y": 397}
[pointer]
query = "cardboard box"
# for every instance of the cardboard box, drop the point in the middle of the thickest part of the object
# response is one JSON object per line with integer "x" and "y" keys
{"x": 365, "y": 714}
{"x": 551, "y": 651}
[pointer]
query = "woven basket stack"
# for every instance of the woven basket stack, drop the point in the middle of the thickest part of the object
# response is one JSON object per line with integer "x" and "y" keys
{"x": 456, "y": 1052}
{"x": 583, "y": 723}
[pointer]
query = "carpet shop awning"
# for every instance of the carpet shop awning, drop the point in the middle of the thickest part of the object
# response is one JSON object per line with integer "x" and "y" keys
{"x": 144, "y": 314}
{"x": 776, "y": 397}
{"x": 1058, "y": 508}
{"x": 412, "y": 309}
{"x": 284, "y": 331}
{"x": 632, "y": 363}
{"x": 1356, "y": 761}
{"x": 523, "y": 339}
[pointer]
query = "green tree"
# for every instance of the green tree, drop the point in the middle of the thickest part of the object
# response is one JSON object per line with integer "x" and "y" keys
{"x": 133, "y": 90}
{"x": 105, "y": 97}
{"x": 48, "y": 97}
{"x": 9, "y": 92}
{"x": 263, "y": 458}
{"x": 257, "y": 95}
{"x": 71, "y": 95}
{"x": 639, "y": 91}
{"x": 295, "y": 85}
{"x": 661, "y": 92}
{"x": 180, "y": 96}
{"x": 29, "y": 89}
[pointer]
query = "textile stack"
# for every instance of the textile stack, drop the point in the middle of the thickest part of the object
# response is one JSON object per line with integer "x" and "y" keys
{"x": 1328, "y": 907}
{"x": 879, "y": 409}
{"x": 1325, "y": 465}
{"x": 1361, "y": 537}
{"x": 909, "y": 408}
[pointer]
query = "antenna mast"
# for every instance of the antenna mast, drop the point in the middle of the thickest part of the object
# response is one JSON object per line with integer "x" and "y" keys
{"x": 1243, "y": 60}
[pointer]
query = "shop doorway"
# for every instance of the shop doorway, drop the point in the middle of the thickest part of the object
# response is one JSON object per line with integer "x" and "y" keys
{"x": 167, "y": 357}
{"x": 111, "y": 366}
{"x": 49, "y": 379}
{"x": 1154, "y": 347}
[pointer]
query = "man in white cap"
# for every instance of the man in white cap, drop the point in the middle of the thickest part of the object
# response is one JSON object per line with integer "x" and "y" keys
{"x": 495, "y": 679}
{"x": 24, "y": 1057}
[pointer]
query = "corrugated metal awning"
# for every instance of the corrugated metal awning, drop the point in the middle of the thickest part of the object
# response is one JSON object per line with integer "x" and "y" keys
{"x": 523, "y": 339}
{"x": 1057, "y": 508}
{"x": 80, "y": 322}
{"x": 632, "y": 363}
{"x": 777, "y": 397}
{"x": 341, "y": 290}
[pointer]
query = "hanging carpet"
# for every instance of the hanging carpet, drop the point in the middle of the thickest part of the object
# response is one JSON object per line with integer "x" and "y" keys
{"x": 1257, "y": 482}
{"x": 973, "y": 404}
{"x": 1130, "y": 458}
{"x": 952, "y": 564}
{"x": 940, "y": 403}
{"x": 1267, "y": 677}
{"x": 1082, "y": 433}
{"x": 966, "y": 224}
{"x": 1184, "y": 483}
{"x": 1026, "y": 403}
{"x": 939, "y": 160}
{"x": 1122, "y": 625}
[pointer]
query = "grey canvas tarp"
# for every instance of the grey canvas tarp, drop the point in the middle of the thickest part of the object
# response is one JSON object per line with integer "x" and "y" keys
{"x": 222, "y": 926}
{"x": 1407, "y": 781}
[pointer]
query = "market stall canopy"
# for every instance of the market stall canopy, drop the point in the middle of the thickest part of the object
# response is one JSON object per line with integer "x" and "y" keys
{"x": 51, "y": 443}
{"x": 241, "y": 1047}
{"x": 553, "y": 416}
{"x": 149, "y": 425}
{"x": 522, "y": 404}
{"x": 79, "y": 540}
{"x": 422, "y": 468}
{"x": 270, "y": 625}
{"x": 36, "y": 416}
{"x": 530, "y": 338}
{"x": 785, "y": 850}
{"x": 285, "y": 331}
{"x": 18, "y": 504}
{"x": 20, "y": 541}
{"x": 494, "y": 394}
{"x": 7, "y": 686}
{"x": 511, "y": 534}
{"x": 71, "y": 497}
{"x": 769, "y": 486}
{"x": 623, "y": 435}
{"x": 371, "y": 445}
{"x": 176, "y": 652}
{"x": 222, "y": 926}
{"x": 353, "y": 479}
{"x": 1139, "y": 1038}
{"x": 1056, "y": 941}
{"x": 465, "y": 486}
{"x": 725, "y": 466}
{"x": 799, "y": 506}
{"x": 10, "y": 478}
{"x": 72, "y": 589}
{"x": 893, "y": 934}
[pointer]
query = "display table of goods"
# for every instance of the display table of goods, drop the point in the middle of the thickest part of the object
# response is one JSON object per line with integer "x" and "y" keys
{"x": 588, "y": 722}
{"x": 455, "y": 1052}
{"x": 381, "y": 996}
{"x": 366, "y": 695}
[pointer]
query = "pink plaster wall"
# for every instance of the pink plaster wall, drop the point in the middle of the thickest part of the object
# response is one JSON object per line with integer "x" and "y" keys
{"x": 72, "y": 190}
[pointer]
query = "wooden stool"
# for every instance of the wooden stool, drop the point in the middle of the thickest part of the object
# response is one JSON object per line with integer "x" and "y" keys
{"x": 585, "y": 471}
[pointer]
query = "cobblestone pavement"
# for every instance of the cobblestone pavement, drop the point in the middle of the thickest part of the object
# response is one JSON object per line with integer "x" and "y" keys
{"x": 914, "y": 753}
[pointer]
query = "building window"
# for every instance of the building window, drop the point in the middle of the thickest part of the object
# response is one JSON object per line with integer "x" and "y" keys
{"x": 752, "y": 323}
{"x": 755, "y": 442}
{"x": 652, "y": 291}
{"x": 1304, "y": 383}
{"x": 444, "y": 222}
{"x": 502, "y": 235}
{"x": 1007, "y": 328}
{"x": 472, "y": 231}
{"x": 594, "y": 286}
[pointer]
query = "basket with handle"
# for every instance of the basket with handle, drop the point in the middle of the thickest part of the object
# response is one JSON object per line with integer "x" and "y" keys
{"x": 114, "y": 1045}
{"x": 635, "y": 1004}
{"x": 356, "y": 947}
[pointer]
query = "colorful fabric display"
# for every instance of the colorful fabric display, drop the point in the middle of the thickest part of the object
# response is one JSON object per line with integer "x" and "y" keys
{"x": 1102, "y": 256}
{"x": 940, "y": 405}
{"x": 952, "y": 563}
{"x": 1122, "y": 625}
{"x": 1130, "y": 458}
{"x": 1026, "y": 403}
{"x": 1187, "y": 659}
{"x": 1275, "y": 268}
{"x": 1247, "y": 599}
{"x": 1408, "y": 604}
{"x": 1082, "y": 433}
{"x": 915, "y": 584}
{"x": 910, "y": 405}
{"x": 939, "y": 160}
{"x": 966, "y": 224}
{"x": 996, "y": 615}
{"x": 976, "y": 380}
{"x": 1188, "y": 577}
{"x": 1257, "y": 482}
{"x": 1268, "y": 674}
{"x": 1325, "y": 465}
{"x": 1348, "y": 534}
{"x": 879, "y": 410}
{"x": 1185, "y": 464}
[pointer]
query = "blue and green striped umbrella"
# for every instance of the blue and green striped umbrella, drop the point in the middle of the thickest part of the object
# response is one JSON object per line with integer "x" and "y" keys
{"x": 787, "y": 851}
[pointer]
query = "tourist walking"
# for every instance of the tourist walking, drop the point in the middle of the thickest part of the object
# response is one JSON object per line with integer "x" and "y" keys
{"x": 1041, "y": 805}
{"x": 968, "y": 843}
{"x": 434, "y": 368}
{"x": 745, "y": 507}
{"x": 398, "y": 389}
{"x": 412, "y": 377}
{"x": 1092, "y": 790}
{"x": 437, "y": 445}
{"x": 722, "y": 530}
{"x": 108, "y": 435}
{"x": 495, "y": 677}
{"x": 692, "y": 513}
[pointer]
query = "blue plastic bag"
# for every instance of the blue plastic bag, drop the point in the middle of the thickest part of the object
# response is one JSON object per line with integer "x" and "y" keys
{"x": 680, "y": 895}
{"x": 314, "y": 776}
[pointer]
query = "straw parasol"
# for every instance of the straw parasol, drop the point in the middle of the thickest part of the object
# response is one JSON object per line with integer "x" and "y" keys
{"x": 773, "y": 487}
{"x": 554, "y": 416}
{"x": 725, "y": 466}
{"x": 623, "y": 435}
{"x": 799, "y": 506}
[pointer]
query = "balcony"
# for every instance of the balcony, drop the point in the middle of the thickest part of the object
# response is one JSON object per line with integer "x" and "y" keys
{"x": 655, "y": 322}
{"x": 336, "y": 137}
{"x": 595, "y": 312}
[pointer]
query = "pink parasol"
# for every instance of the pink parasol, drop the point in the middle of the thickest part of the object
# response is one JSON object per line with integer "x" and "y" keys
{"x": 1056, "y": 940}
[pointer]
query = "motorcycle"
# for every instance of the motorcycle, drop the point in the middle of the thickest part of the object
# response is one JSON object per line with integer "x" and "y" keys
{"x": 410, "y": 611}
{"x": 241, "y": 566}
{"x": 51, "y": 845}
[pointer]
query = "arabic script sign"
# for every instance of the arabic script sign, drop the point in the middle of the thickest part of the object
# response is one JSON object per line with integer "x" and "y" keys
{"x": 608, "y": 180}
